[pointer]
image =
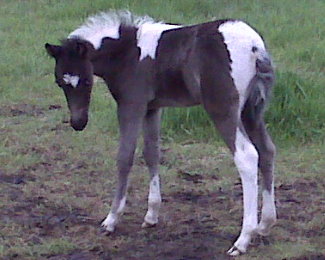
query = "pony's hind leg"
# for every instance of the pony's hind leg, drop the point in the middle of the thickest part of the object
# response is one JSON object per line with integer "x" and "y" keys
{"x": 151, "y": 127}
{"x": 246, "y": 160}
{"x": 130, "y": 119}
{"x": 266, "y": 150}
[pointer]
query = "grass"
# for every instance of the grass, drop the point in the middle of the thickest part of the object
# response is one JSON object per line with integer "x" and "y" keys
{"x": 296, "y": 113}
{"x": 56, "y": 184}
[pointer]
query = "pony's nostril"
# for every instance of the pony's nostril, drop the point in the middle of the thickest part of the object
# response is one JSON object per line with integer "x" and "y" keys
{"x": 78, "y": 127}
{"x": 78, "y": 123}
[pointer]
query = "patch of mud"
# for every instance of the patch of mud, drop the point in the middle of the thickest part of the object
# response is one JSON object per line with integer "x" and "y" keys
{"x": 310, "y": 257}
{"x": 181, "y": 241}
{"x": 45, "y": 219}
{"x": 20, "y": 110}
{"x": 25, "y": 109}
{"x": 61, "y": 127}
{"x": 55, "y": 107}
{"x": 193, "y": 177}
{"x": 16, "y": 178}
{"x": 50, "y": 155}
{"x": 194, "y": 224}
{"x": 82, "y": 256}
{"x": 205, "y": 199}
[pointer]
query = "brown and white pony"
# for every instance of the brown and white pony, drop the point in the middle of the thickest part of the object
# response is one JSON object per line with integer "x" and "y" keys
{"x": 148, "y": 65}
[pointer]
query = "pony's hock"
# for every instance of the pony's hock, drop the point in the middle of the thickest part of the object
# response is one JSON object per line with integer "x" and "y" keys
{"x": 148, "y": 65}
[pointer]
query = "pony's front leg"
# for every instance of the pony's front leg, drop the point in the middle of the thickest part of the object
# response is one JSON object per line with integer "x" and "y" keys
{"x": 151, "y": 151}
{"x": 130, "y": 119}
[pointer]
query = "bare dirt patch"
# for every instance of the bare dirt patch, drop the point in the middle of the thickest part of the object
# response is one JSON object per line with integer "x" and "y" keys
{"x": 194, "y": 224}
{"x": 21, "y": 109}
{"x": 52, "y": 206}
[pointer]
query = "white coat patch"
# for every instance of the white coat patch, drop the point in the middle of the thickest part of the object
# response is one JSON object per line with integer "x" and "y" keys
{"x": 107, "y": 24}
{"x": 246, "y": 160}
{"x": 100, "y": 26}
{"x": 154, "y": 201}
{"x": 70, "y": 79}
{"x": 148, "y": 36}
{"x": 112, "y": 218}
{"x": 154, "y": 191}
{"x": 240, "y": 38}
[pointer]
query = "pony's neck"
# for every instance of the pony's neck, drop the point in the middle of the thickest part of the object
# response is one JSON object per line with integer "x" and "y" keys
{"x": 115, "y": 55}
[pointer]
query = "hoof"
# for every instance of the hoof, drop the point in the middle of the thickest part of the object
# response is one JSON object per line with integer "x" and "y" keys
{"x": 234, "y": 251}
{"x": 104, "y": 231}
{"x": 107, "y": 227}
{"x": 148, "y": 225}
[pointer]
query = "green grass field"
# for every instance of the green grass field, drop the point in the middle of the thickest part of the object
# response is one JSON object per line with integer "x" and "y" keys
{"x": 56, "y": 185}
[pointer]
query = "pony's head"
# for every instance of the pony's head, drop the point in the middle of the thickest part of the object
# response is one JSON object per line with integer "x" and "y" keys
{"x": 74, "y": 74}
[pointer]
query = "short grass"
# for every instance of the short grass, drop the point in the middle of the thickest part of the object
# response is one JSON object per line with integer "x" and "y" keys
{"x": 56, "y": 185}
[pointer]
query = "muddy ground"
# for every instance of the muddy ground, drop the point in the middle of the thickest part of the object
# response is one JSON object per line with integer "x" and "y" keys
{"x": 51, "y": 207}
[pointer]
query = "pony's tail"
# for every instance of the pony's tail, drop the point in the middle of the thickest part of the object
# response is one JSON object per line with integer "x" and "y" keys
{"x": 259, "y": 89}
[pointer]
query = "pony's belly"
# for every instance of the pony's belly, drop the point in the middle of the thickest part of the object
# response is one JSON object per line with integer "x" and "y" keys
{"x": 173, "y": 102}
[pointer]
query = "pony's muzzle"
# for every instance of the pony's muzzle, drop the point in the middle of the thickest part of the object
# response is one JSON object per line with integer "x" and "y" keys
{"x": 79, "y": 119}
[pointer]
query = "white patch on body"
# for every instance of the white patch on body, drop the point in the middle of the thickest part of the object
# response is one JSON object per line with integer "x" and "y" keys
{"x": 112, "y": 218}
{"x": 73, "y": 80}
{"x": 240, "y": 38}
{"x": 107, "y": 24}
{"x": 148, "y": 36}
{"x": 246, "y": 160}
{"x": 154, "y": 202}
{"x": 96, "y": 28}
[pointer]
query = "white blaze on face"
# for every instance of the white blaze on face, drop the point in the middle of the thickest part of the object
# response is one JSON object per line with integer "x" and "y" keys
{"x": 71, "y": 79}
{"x": 148, "y": 36}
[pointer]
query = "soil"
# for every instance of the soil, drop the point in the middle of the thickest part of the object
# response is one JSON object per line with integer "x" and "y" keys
{"x": 186, "y": 231}
{"x": 194, "y": 223}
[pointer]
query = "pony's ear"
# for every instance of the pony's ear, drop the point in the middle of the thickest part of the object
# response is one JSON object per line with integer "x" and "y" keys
{"x": 53, "y": 50}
